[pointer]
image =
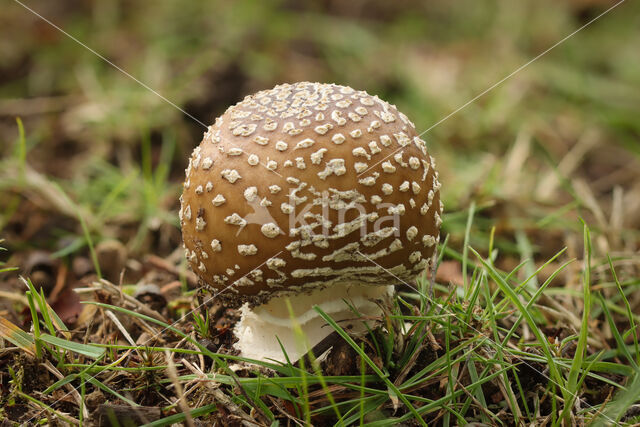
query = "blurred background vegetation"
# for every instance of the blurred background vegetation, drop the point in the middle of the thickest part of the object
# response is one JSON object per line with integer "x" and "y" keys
{"x": 558, "y": 139}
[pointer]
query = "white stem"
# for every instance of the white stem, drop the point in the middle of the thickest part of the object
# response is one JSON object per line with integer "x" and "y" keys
{"x": 258, "y": 328}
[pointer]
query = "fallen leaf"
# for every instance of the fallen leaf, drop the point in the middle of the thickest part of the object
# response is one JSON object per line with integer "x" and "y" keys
{"x": 67, "y": 306}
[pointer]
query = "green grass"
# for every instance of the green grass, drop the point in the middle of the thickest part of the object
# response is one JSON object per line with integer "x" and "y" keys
{"x": 475, "y": 344}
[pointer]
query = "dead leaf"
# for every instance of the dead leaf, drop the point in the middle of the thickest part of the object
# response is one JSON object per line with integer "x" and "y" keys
{"x": 67, "y": 306}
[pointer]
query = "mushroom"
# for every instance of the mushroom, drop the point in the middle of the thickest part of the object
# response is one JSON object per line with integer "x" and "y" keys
{"x": 313, "y": 192}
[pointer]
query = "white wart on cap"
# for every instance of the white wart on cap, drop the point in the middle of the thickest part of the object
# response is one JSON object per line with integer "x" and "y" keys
{"x": 307, "y": 186}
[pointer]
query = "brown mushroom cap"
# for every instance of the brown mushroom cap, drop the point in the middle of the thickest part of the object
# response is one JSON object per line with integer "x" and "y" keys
{"x": 309, "y": 185}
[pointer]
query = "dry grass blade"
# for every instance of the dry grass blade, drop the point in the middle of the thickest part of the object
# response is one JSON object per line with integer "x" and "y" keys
{"x": 127, "y": 300}
{"x": 17, "y": 336}
{"x": 173, "y": 375}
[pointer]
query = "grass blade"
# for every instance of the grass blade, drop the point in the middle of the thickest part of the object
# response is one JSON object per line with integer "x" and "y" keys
{"x": 178, "y": 418}
{"x": 370, "y": 362}
{"x": 581, "y": 348}
{"x": 542, "y": 339}
{"x": 88, "y": 350}
{"x": 17, "y": 336}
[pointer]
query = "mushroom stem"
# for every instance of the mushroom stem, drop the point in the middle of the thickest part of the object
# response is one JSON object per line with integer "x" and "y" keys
{"x": 260, "y": 328}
